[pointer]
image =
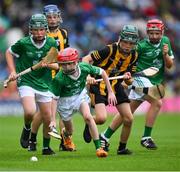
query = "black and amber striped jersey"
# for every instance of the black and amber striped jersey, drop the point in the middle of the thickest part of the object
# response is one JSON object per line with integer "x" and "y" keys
{"x": 114, "y": 63}
{"x": 61, "y": 37}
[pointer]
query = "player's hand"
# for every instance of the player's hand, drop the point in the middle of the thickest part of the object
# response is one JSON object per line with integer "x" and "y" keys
{"x": 90, "y": 80}
{"x": 127, "y": 76}
{"x": 44, "y": 64}
{"x": 112, "y": 99}
{"x": 52, "y": 124}
{"x": 12, "y": 76}
{"x": 165, "y": 49}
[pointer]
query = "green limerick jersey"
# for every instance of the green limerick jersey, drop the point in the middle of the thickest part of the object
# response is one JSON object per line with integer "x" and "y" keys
{"x": 151, "y": 55}
{"x": 27, "y": 54}
{"x": 66, "y": 86}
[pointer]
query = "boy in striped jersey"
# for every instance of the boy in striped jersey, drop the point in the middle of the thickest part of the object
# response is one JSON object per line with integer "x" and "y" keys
{"x": 116, "y": 59}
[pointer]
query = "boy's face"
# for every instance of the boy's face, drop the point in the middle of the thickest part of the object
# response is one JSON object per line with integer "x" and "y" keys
{"x": 126, "y": 46}
{"x": 38, "y": 34}
{"x": 154, "y": 36}
{"x": 53, "y": 20}
{"x": 69, "y": 68}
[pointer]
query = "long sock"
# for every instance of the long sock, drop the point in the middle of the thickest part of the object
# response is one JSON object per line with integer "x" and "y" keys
{"x": 97, "y": 144}
{"x": 46, "y": 142}
{"x": 122, "y": 146}
{"x": 27, "y": 126}
{"x": 108, "y": 133}
{"x": 147, "y": 131}
{"x": 33, "y": 137}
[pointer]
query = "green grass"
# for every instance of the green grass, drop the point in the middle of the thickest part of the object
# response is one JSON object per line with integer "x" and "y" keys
{"x": 166, "y": 134}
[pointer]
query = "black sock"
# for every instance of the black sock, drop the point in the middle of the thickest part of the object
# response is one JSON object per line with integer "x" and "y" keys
{"x": 122, "y": 146}
{"x": 33, "y": 137}
{"x": 27, "y": 126}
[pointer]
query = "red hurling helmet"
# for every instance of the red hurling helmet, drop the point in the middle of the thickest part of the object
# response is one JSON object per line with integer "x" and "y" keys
{"x": 68, "y": 55}
{"x": 155, "y": 24}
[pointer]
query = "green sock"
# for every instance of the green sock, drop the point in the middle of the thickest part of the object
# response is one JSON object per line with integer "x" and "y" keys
{"x": 46, "y": 142}
{"x": 147, "y": 131}
{"x": 97, "y": 144}
{"x": 108, "y": 133}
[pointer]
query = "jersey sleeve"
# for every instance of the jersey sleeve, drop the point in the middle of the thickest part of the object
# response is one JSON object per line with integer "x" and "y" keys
{"x": 138, "y": 48}
{"x": 54, "y": 43}
{"x": 91, "y": 69}
{"x": 67, "y": 39}
{"x": 16, "y": 49}
{"x": 65, "y": 36}
{"x": 99, "y": 55}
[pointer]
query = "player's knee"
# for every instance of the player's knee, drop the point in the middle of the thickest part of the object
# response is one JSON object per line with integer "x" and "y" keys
{"x": 28, "y": 115}
{"x": 100, "y": 119}
{"x": 157, "y": 104}
{"x": 128, "y": 120}
{"x": 88, "y": 118}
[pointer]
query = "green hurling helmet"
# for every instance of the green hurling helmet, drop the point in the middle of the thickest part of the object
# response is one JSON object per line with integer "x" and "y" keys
{"x": 129, "y": 33}
{"x": 38, "y": 21}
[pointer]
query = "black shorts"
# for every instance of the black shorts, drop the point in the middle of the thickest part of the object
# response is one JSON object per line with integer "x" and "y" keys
{"x": 96, "y": 97}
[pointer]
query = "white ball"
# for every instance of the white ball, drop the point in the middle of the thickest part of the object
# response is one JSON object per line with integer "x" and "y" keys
{"x": 33, "y": 158}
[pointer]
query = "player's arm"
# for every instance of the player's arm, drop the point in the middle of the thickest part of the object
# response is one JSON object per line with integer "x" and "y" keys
{"x": 111, "y": 97}
{"x": 131, "y": 69}
{"x": 54, "y": 66}
{"x": 97, "y": 56}
{"x": 88, "y": 59}
{"x": 11, "y": 65}
{"x": 94, "y": 70}
{"x": 168, "y": 60}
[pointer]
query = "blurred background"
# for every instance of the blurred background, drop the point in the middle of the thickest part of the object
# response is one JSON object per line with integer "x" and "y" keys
{"x": 91, "y": 24}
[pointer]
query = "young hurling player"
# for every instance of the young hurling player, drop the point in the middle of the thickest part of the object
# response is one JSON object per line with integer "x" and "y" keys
{"x": 32, "y": 87}
{"x": 53, "y": 15}
{"x": 70, "y": 85}
{"x": 154, "y": 51}
{"x": 116, "y": 59}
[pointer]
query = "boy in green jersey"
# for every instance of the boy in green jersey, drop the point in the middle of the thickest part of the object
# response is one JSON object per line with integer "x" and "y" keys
{"x": 33, "y": 88}
{"x": 70, "y": 85}
{"x": 54, "y": 18}
{"x": 153, "y": 51}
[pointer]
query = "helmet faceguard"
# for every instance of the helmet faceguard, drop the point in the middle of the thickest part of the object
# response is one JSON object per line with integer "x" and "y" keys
{"x": 38, "y": 21}
{"x": 155, "y": 24}
{"x": 52, "y": 10}
{"x": 129, "y": 33}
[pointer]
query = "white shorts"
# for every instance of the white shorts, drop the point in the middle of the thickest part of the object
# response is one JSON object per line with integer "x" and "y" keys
{"x": 67, "y": 105}
{"x": 139, "y": 82}
{"x": 31, "y": 92}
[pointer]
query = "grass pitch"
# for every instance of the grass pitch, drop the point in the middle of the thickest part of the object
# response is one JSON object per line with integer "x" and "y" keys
{"x": 166, "y": 134}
